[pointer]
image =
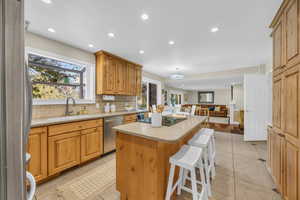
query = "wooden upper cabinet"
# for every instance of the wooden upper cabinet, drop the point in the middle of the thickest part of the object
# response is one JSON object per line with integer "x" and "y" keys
{"x": 37, "y": 148}
{"x": 110, "y": 68}
{"x": 292, "y": 35}
{"x": 138, "y": 81}
{"x": 132, "y": 79}
{"x": 277, "y": 102}
{"x": 121, "y": 77}
{"x": 278, "y": 46}
{"x": 116, "y": 75}
{"x": 286, "y": 35}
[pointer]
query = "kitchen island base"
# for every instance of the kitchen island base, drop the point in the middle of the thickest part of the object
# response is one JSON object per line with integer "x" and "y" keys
{"x": 143, "y": 165}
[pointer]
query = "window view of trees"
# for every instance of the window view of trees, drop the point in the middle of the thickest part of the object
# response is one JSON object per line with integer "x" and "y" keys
{"x": 142, "y": 100}
{"x": 54, "y": 79}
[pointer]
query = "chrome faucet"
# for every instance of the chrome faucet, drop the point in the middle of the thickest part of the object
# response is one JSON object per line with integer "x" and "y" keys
{"x": 68, "y": 112}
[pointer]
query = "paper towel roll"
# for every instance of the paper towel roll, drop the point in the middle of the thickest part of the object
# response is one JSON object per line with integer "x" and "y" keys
{"x": 156, "y": 120}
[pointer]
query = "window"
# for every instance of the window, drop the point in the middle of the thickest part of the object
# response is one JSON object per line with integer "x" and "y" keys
{"x": 150, "y": 94}
{"x": 143, "y": 99}
{"x": 54, "y": 79}
{"x": 176, "y": 99}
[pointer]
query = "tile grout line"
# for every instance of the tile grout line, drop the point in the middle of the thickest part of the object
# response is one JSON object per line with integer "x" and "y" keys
{"x": 233, "y": 168}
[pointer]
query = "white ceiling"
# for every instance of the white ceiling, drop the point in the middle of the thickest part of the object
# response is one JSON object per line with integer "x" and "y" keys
{"x": 207, "y": 83}
{"x": 243, "y": 39}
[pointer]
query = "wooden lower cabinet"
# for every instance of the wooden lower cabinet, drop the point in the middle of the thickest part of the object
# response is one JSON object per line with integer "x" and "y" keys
{"x": 284, "y": 162}
{"x": 64, "y": 151}
{"x": 91, "y": 143}
{"x": 130, "y": 118}
{"x": 277, "y": 154}
{"x": 37, "y": 148}
{"x": 292, "y": 172}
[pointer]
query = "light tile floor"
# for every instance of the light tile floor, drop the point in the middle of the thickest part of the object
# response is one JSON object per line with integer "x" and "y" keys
{"x": 240, "y": 175}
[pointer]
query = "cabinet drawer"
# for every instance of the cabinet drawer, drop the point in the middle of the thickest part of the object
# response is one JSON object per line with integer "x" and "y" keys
{"x": 73, "y": 126}
{"x": 91, "y": 123}
{"x": 130, "y": 117}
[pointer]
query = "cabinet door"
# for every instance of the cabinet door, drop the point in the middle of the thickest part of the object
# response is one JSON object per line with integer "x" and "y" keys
{"x": 91, "y": 143}
{"x": 278, "y": 46}
{"x": 109, "y": 75}
{"x": 132, "y": 79}
{"x": 64, "y": 151}
{"x": 138, "y": 81}
{"x": 278, "y": 160}
{"x": 291, "y": 104}
{"x": 292, "y": 189}
{"x": 292, "y": 32}
{"x": 269, "y": 145}
{"x": 277, "y": 102}
{"x": 37, "y": 148}
{"x": 121, "y": 75}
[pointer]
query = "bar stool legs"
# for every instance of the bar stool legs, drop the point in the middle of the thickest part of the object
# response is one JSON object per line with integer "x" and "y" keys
{"x": 188, "y": 159}
{"x": 171, "y": 177}
{"x": 207, "y": 172}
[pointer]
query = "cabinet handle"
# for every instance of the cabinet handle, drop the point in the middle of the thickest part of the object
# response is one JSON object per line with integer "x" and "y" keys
{"x": 281, "y": 135}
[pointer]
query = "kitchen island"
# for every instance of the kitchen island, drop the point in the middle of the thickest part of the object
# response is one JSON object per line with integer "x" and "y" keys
{"x": 143, "y": 156}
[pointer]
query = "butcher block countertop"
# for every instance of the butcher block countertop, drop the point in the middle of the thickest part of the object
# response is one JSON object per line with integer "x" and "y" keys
{"x": 164, "y": 134}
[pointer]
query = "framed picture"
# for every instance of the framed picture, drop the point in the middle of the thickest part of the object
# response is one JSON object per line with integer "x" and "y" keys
{"x": 206, "y": 97}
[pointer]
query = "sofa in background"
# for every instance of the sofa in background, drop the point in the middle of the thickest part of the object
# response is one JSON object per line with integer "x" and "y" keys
{"x": 201, "y": 109}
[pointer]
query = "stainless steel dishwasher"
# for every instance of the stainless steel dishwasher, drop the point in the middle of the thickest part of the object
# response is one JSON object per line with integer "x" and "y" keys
{"x": 109, "y": 133}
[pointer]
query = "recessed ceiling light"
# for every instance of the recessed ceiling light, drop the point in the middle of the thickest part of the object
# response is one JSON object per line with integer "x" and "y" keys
{"x": 90, "y": 45}
{"x": 111, "y": 35}
{"x": 47, "y": 1}
{"x": 51, "y": 30}
{"x": 214, "y": 29}
{"x": 144, "y": 17}
{"x": 141, "y": 51}
{"x": 171, "y": 42}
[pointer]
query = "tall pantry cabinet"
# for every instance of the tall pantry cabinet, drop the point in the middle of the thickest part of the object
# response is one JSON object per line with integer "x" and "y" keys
{"x": 284, "y": 136}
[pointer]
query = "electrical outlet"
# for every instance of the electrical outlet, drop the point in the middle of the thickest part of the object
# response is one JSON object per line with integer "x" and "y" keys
{"x": 97, "y": 105}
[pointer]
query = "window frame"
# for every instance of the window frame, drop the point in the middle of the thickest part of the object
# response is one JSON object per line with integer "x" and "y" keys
{"x": 159, "y": 92}
{"x": 88, "y": 79}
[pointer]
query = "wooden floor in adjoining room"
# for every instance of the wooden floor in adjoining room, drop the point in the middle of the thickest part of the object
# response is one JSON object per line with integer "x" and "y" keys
{"x": 241, "y": 175}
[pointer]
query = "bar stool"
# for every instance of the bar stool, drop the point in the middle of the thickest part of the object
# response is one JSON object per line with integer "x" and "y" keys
{"x": 203, "y": 141}
{"x": 211, "y": 132}
{"x": 187, "y": 159}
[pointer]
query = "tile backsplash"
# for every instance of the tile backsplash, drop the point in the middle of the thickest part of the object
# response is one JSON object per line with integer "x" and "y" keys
{"x": 47, "y": 111}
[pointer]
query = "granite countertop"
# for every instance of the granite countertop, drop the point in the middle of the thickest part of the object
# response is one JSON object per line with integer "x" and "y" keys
{"x": 164, "y": 133}
{"x": 60, "y": 120}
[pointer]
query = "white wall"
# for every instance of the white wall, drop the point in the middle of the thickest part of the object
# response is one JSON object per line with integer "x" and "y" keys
{"x": 222, "y": 96}
{"x": 41, "y": 43}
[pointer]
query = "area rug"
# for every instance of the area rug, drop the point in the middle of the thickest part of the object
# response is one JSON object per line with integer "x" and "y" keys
{"x": 97, "y": 184}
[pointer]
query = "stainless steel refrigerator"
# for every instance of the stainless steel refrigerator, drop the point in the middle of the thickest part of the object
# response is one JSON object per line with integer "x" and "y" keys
{"x": 15, "y": 111}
